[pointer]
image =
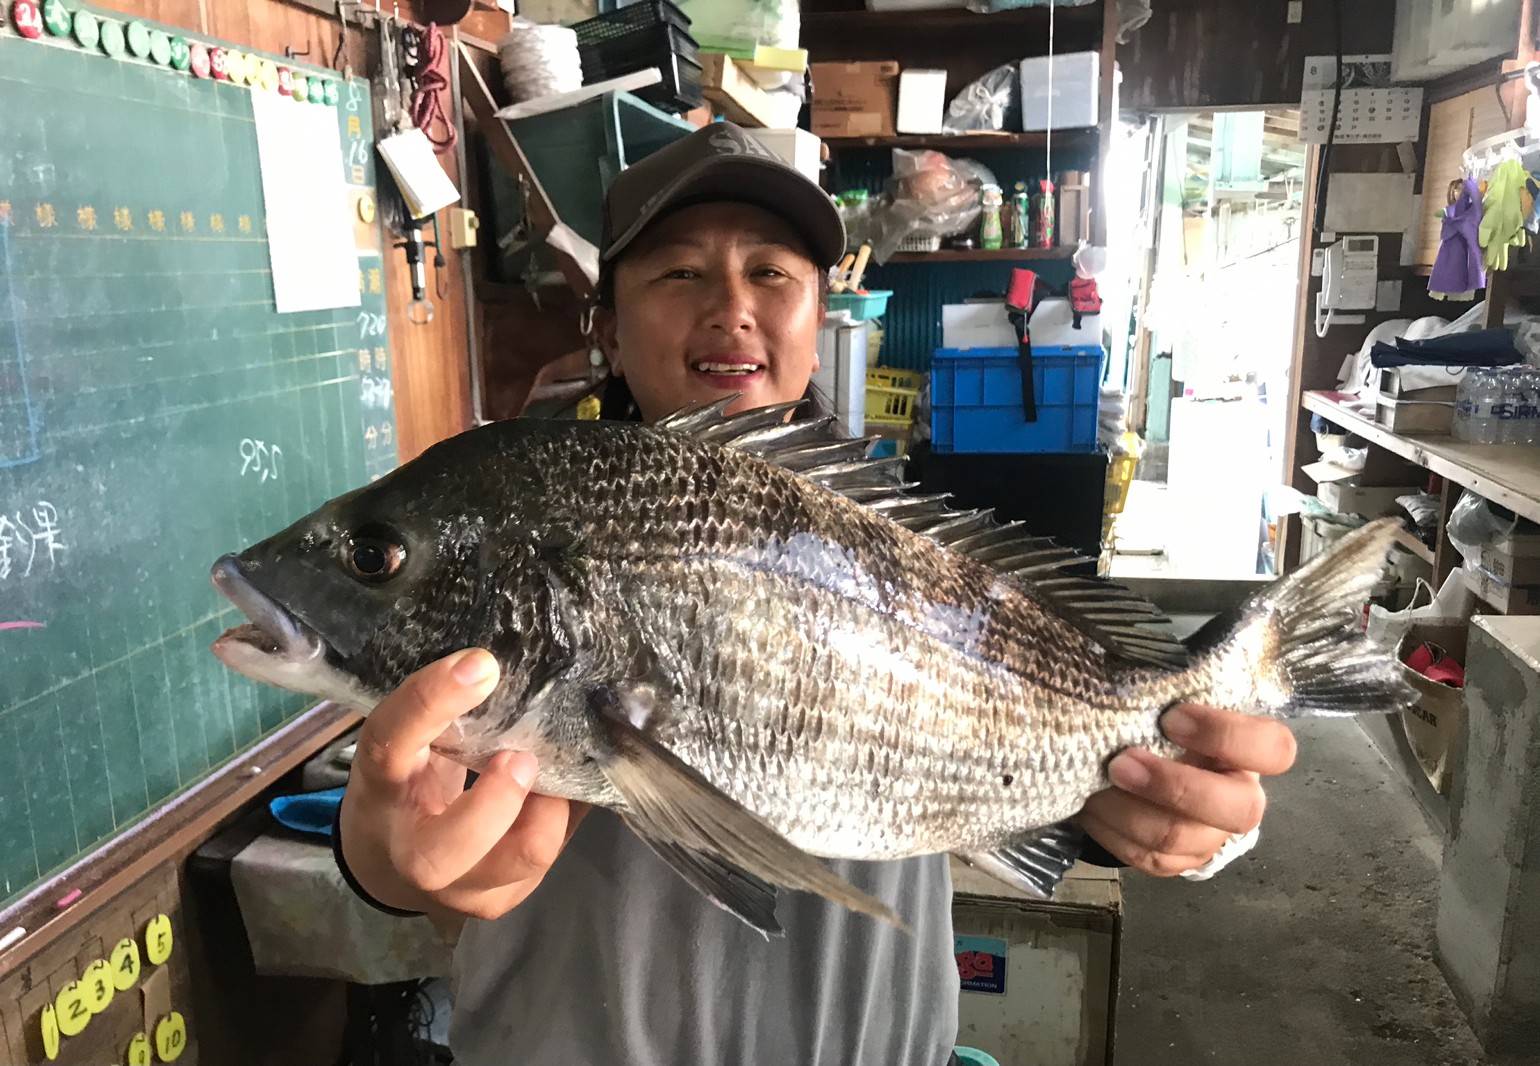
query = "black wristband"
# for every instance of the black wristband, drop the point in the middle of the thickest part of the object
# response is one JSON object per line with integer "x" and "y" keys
{"x": 352, "y": 882}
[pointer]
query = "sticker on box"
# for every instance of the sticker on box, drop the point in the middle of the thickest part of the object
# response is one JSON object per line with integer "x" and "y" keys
{"x": 980, "y": 963}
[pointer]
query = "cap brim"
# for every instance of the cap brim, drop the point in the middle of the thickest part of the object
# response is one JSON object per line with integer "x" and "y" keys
{"x": 764, "y": 183}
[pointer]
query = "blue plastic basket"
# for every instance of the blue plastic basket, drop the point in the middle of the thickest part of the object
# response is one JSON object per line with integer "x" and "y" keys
{"x": 975, "y": 400}
{"x": 861, "y": 305}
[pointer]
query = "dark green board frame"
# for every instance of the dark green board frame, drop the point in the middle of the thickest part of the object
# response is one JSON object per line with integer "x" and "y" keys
{"x": 155, "y": 412}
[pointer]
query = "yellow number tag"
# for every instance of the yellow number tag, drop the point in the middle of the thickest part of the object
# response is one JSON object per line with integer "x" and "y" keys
{"x": 74, "y": 1009}
{"x": 97, "y": 981}
{"x": 125, "y": 964}
{"x": 50, "y": 1023}
{"x": 170, "y": 1037}
{"x": 139, "y": 1050}
{"x": 157, "y": 940}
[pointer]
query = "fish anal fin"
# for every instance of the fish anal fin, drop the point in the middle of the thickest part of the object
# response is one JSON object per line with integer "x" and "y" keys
{"x": 668, "y": 801}
{"x": 1034, "y": 863}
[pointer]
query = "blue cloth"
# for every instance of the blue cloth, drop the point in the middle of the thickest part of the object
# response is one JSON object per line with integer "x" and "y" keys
{"x": 1480, "y": 347}
{"x": 308, "y": 812}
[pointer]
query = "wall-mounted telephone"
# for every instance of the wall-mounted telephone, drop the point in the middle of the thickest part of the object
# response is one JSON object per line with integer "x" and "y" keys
{"x": 1349, "y": 279}
{"x": 1351, "y": 274}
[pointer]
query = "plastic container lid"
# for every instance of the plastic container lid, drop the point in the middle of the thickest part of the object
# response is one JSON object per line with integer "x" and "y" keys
{"x": 160, "y": 47}
{"x": 139, "y": 39}
{"x": 87, "y": 30}
{"x": 114, "y": 43}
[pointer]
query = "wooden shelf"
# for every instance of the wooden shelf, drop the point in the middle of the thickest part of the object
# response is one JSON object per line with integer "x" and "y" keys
{"x": 1072, "y": 139}
{"x": 1088, "y": 16}
{"x": 1408, "y": 540}
{"x": 982, "y": 255}
{"x": 1506, "y": 474}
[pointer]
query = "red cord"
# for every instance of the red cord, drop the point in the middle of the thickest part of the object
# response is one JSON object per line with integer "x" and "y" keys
{"x": 427, "y": 101}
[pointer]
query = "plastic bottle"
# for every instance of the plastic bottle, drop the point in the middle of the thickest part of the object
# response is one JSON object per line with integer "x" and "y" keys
{"x": 1461, "y": 429}
{"x": 990, "y": 232}
{"x": 1022, "y": 234}
{"x": 1486, "y": 396}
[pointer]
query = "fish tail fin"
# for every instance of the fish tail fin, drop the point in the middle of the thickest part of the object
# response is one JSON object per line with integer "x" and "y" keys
{"x": 1297, "y": 649}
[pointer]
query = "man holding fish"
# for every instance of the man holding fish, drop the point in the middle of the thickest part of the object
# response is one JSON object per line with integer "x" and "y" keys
{"x": 581, "y": 946}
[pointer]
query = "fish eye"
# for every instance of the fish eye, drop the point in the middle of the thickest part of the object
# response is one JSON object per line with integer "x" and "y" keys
{"x": 374, "y": 558}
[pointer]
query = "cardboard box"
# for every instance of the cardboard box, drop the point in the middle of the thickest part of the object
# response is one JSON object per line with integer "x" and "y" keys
{"x": 1513, "y": 559}
{"x": 736, "y": 95}
{"x": 1434, "y": 723}
{"x": 1074, "y": 215}
{"x": 1390, "y": 386}
{"x": 1414, "y": 415}
{"x": 921, "y": 101}
{"x": 1039, "y": 977}
{"x": 797, "y": 147}
{"x": 1371, "y": 501}
{"x": 855, "y": 99}
{"x": 1505, "y": 597}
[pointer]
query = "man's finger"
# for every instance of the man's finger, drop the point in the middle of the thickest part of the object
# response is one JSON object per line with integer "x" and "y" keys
{"x": 393, "y": 743}
{"x": 452, "y": 842}
{"x": 1239, "y": 741}
{"x": 1232, "y": 801}
{"x": 530, "y": 847}
{"x": 1132, "y": 853}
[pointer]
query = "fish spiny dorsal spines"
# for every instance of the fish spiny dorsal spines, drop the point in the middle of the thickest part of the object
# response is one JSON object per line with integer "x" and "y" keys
{"x": 1125, "y": 625}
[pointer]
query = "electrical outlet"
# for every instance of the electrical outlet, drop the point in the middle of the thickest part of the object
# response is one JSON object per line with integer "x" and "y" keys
{"x": 1296, "y": 12}
{"x": 463, "y": 225}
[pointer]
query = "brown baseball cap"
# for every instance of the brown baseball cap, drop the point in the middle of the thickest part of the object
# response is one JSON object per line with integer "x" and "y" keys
{"x": 719, "y": 162}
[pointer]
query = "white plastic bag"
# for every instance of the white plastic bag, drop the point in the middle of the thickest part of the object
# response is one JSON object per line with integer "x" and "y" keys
{"x": 1473, "y": 526}
{"x": 1454, "y": 602}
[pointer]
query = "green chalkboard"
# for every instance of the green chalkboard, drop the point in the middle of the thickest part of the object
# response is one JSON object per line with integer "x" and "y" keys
{"x": 155, "y": 411}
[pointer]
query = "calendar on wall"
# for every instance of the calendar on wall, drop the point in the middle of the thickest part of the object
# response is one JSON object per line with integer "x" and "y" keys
{"x": 1372, "y": 111}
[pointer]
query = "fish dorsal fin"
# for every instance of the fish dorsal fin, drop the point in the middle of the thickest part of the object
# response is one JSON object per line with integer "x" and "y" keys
{"x": 1125, "y": 625}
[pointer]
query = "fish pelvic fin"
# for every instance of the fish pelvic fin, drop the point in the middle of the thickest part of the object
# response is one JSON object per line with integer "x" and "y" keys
{"x": 1034, "y": 863}
{"x": 1297, "y": 649}
{"x": 709, "y": 839}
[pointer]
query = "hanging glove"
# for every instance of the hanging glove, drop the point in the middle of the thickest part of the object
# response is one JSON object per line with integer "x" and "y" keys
{"x": 1502, "y": 218}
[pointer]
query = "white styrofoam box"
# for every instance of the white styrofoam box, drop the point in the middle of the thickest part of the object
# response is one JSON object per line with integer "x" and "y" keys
{"x": 841, "y": 374}
{"x": 986, "y": 325}
{"x": 1076, "y": 90}
{"x": 921, "y": 100}
{"x": 798, "y": 147}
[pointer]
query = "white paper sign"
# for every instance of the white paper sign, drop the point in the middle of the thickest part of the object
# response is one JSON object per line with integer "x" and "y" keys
{"x": 309, "y": 230}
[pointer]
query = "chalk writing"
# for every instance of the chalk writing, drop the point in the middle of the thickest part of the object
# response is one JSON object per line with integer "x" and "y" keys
{"x": 358, "y": 152}
{"x": 85, "y": 216}
{"x": 374, "y": 280}
{"x": 370, "y": 325}
{"x": 217, "y": 222}
{"x": 375, "y": 391}
{"x": 380, "y": 364}
{"x": 189, "y": 221}
{"x": 123, "y": 218}
{"x": 157, "y": 220}
{"x": 363, "y": 360}
{"x": 243, "y": 223}
{"x": 260, "y": 459}
{"x": 28, "y": 536}
{"x": 22, "y": 625}
{"x": 355, "y": 126}
{"x": 387, "y": 432}
{"x": 46, "y": 216}
{"x": 371, "y": 437}
{"x": 5, "y": 212}
{"x": 355, "y": 96}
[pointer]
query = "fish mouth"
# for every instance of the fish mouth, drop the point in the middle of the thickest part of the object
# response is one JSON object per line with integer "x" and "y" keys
{"x": 272, "y": 632}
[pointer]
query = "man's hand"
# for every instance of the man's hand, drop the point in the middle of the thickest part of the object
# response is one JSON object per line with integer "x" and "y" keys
{"x": 414, "y": 836}
{"x": 1165, "y": 816}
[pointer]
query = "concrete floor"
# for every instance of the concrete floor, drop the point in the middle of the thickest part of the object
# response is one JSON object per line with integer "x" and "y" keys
{"x": 1317, "y": 947}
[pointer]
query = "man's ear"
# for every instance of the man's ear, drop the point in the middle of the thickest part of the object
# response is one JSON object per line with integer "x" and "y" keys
{"x": 606, "y": 333}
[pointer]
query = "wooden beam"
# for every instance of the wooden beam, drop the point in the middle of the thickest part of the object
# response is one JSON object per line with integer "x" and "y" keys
{"x": 1109, "y": 50}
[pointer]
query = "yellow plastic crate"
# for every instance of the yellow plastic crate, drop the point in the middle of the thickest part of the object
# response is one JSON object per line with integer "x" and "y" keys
{"x": 890, "y": 396}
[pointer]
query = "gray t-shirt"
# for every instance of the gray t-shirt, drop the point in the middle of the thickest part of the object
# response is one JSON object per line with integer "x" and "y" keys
{"x": 615, "y": 960}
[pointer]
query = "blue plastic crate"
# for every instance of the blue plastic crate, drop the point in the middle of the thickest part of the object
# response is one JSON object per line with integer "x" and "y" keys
{"x": 975, "y": 400}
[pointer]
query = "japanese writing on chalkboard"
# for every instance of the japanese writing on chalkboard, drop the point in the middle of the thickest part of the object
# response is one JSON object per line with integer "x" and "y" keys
{"x": 30, "y": 538}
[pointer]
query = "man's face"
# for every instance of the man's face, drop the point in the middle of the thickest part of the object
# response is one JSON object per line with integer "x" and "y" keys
{"x": 714, "y": 299}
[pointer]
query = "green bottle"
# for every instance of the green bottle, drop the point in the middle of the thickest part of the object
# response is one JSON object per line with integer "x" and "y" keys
{"x": 990, "y": 232}
{"x": 1022, "y": 228}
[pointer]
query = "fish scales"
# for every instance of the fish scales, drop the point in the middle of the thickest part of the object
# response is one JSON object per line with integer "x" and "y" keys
{"x": 754, "y": 668}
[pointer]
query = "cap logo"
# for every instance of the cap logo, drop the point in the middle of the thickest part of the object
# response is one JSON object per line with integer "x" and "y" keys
{"x": 735, "y": 142}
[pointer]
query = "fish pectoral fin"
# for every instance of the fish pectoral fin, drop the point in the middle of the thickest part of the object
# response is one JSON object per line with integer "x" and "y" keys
{"x": 667, "y": 801}
{"x": 746, "y": 897}
{"x": 1036, "y": 862}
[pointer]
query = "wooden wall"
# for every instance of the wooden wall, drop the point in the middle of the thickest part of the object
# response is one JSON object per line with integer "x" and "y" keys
{"x": 429, "y": 363}
{"x": 1233, "y": 53}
